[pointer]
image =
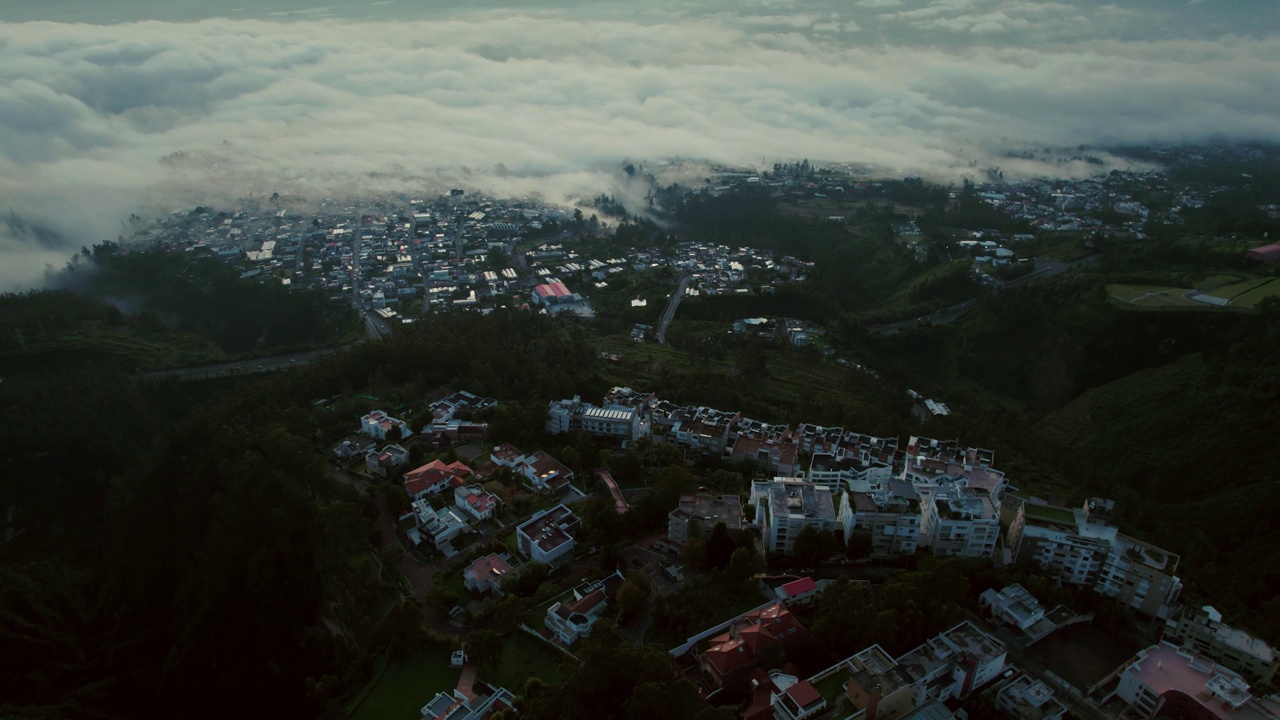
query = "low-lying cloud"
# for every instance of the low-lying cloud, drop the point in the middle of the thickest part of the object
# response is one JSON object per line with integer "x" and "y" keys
{"x": 98, "y": 121}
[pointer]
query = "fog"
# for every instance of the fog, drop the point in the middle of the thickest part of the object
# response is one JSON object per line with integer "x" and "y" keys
{"x": 149, "y": 106}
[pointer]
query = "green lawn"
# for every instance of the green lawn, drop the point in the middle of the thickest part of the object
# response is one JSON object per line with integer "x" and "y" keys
{"x": 1251, "y": 298}
{"x": 1150, "y": 296}
{"x": 831, "y": 688}
{"x": 1240, "y": 288}
{"x": 523, "y": 657}
{"x": 408, "y": 685}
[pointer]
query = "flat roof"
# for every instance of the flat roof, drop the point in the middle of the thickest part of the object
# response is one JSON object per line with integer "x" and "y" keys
{"x": 1048, "y": 513}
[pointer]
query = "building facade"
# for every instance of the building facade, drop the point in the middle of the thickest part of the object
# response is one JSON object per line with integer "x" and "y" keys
{"x": 785, "y": 507}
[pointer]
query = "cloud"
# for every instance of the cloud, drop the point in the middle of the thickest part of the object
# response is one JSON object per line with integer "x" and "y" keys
{"x": 98, "y": 121}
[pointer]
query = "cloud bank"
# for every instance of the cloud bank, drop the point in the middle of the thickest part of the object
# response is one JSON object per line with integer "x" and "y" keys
{"x": 98, "y": 121}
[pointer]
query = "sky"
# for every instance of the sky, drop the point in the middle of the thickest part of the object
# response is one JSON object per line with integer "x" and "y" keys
{"x": 112, "y": 107}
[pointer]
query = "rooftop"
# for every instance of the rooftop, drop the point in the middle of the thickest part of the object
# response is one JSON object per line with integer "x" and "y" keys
{"x": 1222, "y": 693}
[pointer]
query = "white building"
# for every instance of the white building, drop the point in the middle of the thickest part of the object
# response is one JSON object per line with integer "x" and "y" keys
{"x": 440, "y": 526}
{"x": 385, "y": 462}
{"x": 547, "y": 537}
{"x": 957, "y": 520}
{"x": 377, "y": 423}
{"x": 1013, "y": 605}
{"x": 1202, "y": 630}
{"x": 1028, "y": 699}
{"x": 574, "y": 619}
{"x": 1165, "y": 680}
{"x": 618, "y": 422}
{"x": 785, "y": 507}
{"x": 475, "y": 501}
{"x": 952, "y": 664}
{"x": 890, "y": 515}
{"x": 486, "y": 574}
{"x": 848, "y": 473}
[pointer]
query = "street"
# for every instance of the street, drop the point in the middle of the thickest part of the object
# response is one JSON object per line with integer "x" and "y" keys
{"x": 672, "y": 306}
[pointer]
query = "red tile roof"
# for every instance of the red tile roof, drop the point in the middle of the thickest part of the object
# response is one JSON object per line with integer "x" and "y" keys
{"x": 799, "y": 587}
{"x": 804, "y": 694}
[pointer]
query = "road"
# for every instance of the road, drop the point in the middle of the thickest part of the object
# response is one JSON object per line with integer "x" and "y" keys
{"x": 672, "y": 306}
{"x": 1044, "y": 268}
{"x": 242, "y": 367}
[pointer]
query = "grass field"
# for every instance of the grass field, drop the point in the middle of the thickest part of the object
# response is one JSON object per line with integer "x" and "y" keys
{"x": 523, "y": 657}
{"x": 1150, "y": 296}
{"x": 1216, "y": 281}
{"x": 1234, "y": 290}
{"x": 407, "y": 685}
{"x": 1251, "y": 298}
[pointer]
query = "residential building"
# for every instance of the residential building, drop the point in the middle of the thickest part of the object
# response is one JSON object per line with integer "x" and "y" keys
{"x": 774, "y": 456}
{"x": 797, "y": 593}
{"x": 848, "y": 473}
{"x": 933, "y": 710}
{"x": 1080, "y": 547}
{"x": 440, "y": 526}
{"x": 785, "y": 507}
{"x": 477, "y": 502}
{"x": 543, "y": 472}
{"x": 434, "y": 477}
{"x": 384, "y": 462}
{"x": 461, "y": 706}
{"x": 573, "y": 619}
{"x": 378, "y": 423}
{"x": 794, "y": 699}
{"x": 957, "y": 520}
{"x": 1026, "y": 698}
{"x": 1202, "y": 630}
{"x": 878, "y": 687}
{"x": 617, "y": 422}
{"x": 354, "y": 447}
{"x": 890, "y": 515}
{"x": 547, "y": 537}
{"x": 486, "y": 573}
{"x": 1165, "y": 680}
{"x": 953, "y": 663}
{"x": 760, "y": 637}
{"x": 1014, "y": 605}
{"x": 697, "y": 515}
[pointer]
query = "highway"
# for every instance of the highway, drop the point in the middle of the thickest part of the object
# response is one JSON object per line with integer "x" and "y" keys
{"x": 672, "y": 306}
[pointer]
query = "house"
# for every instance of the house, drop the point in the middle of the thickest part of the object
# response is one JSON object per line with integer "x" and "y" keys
{"x": 784, "y": 507}
{"x": 378, "y": 423}
{"x": 543, "y": 472}
{"x": 1165, "y": 680}
{"x": 1202, "y": 630}
{"x": 440, "y": 526}
{"x": 1026, "y": 698}
{"x": 700, "y": 514}
{"x": 486, "y": 573}
{"x": 477, "y": 502}
{"x": 792, "y": 698}
{"x": 354, "y": 447}
{"x": 461, "y": 706}
{"x": 383, "y": 463}
{"x": 1013, "y": 605}
{"x": 547, "y": 537}
{"x": 760, "y": 637}
{"x": 573, "y": 619}
{"x": 797, "y": 592}
{"x": 434, "y": 477}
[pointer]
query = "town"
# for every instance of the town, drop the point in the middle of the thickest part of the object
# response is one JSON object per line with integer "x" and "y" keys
{"x": 518, "y": 539}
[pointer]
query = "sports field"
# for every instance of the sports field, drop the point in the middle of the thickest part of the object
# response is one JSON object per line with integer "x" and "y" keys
{"x": 1150, "y": 296}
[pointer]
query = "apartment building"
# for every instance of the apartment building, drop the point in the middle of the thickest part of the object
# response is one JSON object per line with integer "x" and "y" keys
{"x": 699, "y": 514}
{"x": 1202, "y": 630}
{"x": 616, "y": 422}
{"x": 849, "y": 473}
{"x": 1025, "y": 698}
{"x": 957, "y": 520}
{"x": 1080, "y": 547}
{"x": 1165, "y": 680}
{"x": 951, "y": 664}
{"x": 785, "y": 507}
{"x": 890, "y": 515}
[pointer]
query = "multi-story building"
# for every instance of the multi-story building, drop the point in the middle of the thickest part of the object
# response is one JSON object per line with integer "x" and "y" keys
{"x": 848, "y": 473}
{"x": 1165, "y": 680}
{"x": 618, "y": 422}
{"x": 953, "y": 663}
{"x": 785, "y": 507}
{"x": 1081, "y": 548}
{"x": 759, "y": 637}
{"x": 1013, "y": 605}
{"x": 957, "y": 520}
{"x": 878, "y": 687}
{"x": 377, "y": 424}
{"x": 384, "y": 462}
{"x": 697, "y": 515}
{"x": 573, "y": 619}
{"x": 1202, "y": 630}
{"x": 890, "y": 515}
{"x": 547, "y": 537}
{"x": 1026, "y": 698}
{"x": 486, "y": 573}
{"x": 477, "y": 502}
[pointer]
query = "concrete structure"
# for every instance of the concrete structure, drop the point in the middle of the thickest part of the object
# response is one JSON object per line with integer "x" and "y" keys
{"x": 1166, "y": 681}
{"x": 547, "y": 537}
{"x": 486, "y": 574}
{"x": 378, "y": 423}
{"x": 572, "y": 620}
{"x": 848, "y": 473}
{"x": 1079, "y": 547}
{"x": 440, "y": 526}
{"x": 890, "y": 515}
{"x": 1013, "y": 605}
{"x": 477, "y": 502}
{"x": 957, "y": 520}
{"x": 1202, "y": 630}
{"x": 794, "y": 699}
{"x": 878, "y": 687}
{"x": 386, "y": 461}
{"x": 785, "y": 507}
{"x": 701, "y": 513}
{"x": 953, "y": 663}
{"x": 1026, "y": 698}
{"x": 463, "y": 706}
{"x": 618, "y": 422}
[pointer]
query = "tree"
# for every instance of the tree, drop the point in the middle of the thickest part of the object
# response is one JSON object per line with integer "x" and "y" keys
{"x": 742, "y": 565}
{"x": 634, "y": 594}
{"x": 720, "y": 547}
{"x": 695, "y": 553}
{"x": 483, "y": 647}
{"x": 394, "y": 434}
{"x": 397, "y": 501}
{"x": 813, "y": 545}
